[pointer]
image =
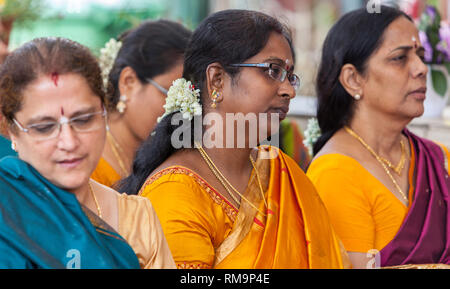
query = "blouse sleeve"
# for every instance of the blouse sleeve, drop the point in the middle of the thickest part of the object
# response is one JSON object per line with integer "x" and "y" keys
{"x": 348, "y": 207}
{"x": 140, "y": 226}
{"x": 186, "y": 221}
{"x": 161, "y": 257}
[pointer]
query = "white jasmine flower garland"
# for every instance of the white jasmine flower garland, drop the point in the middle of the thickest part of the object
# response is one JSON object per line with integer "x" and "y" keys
{"x": 107, "y": 58}
{"x": 312, "y": 134}
{"x": 183, "y": 97}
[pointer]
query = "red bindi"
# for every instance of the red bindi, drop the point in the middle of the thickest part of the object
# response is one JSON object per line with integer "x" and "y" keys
{"x": 62, "y": 111}
{"x": 55, "y": 77}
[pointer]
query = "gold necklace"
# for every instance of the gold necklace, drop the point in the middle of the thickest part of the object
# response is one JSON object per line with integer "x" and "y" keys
{"x": 386, "y": 169}
{"x": 401, "y": 164}
{"x": 115, "y": 147}
{"x": 99, "y": 211}
{"x": 226, "y": 184}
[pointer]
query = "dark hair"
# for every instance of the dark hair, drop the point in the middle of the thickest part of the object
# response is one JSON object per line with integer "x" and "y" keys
{"x": 226, "y": 37}
{"x": 44, "y": 56}
{"x": 151, "y": 49}
{"x": 352, "y": 40}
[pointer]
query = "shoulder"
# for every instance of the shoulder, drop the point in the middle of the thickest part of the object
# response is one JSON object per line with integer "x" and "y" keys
{"x": 178, "y": 186}
{"x": 180, "y": 189}
{"x": 336, "y": 162}
{"x": 133, "y": 210}
{"x": 134, "y": 203}
{"x": 171, "y": 179}
{"x": 339, "y": 178}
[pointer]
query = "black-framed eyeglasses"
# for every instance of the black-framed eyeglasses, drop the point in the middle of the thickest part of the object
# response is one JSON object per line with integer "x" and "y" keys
{"x": 87, "y": 122}
{"x": 276, "y": 72}
{"x": 157, "y": 85}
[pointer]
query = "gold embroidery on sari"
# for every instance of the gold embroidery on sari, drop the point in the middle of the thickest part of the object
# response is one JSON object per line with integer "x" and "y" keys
{"x": 229, "y": 210}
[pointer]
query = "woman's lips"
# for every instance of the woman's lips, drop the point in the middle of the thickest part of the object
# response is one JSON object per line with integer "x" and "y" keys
{"x": 70, "y": 163}
{"x": 419, "y": 94}
{"x": 281, "y": 111}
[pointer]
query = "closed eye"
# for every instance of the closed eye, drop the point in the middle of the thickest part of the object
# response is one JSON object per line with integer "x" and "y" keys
{"x": 399, "y": 58}
{"x": 42, "y": 127}
{"x": 82, "y": 119}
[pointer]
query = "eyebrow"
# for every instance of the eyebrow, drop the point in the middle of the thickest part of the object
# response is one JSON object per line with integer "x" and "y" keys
{"x": 419, "y": 49}
{"x": 279, "y": 61}
{"x": 275, "y": 59}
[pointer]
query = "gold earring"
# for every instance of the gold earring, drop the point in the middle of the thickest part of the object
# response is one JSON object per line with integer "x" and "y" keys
{"x": 121, "y": 105}
{"x": 214, "y": 96}
{"x": 13, "y": 146}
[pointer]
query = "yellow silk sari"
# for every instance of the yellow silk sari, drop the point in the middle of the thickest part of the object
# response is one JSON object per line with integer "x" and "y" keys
{"x": 292, "y": 232}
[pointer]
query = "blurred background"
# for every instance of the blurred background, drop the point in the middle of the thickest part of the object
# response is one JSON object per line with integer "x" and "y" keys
{"x": 94, "y": 22}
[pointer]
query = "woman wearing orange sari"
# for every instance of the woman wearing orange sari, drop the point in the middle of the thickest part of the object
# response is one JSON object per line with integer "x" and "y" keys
{"x": 386, "y": 189}
{"x": 233, "y": 207}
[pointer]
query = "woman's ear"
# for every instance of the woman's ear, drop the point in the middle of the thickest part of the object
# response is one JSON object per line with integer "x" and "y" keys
{"x": 128, "y": 82}
{"x": 12, "y": 137}
{"x": 351, "y": 80}
{"x": 215, "y": 81}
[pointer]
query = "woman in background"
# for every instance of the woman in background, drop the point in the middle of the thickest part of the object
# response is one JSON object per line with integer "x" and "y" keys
{"x": 5, "y": 144}
{"x": 386, "y": 189}
{"x": 149, "y": 60}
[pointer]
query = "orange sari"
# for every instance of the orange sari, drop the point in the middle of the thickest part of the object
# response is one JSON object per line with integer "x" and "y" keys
{"x": 105, "y": 174}
{"x": 293, "y": 232}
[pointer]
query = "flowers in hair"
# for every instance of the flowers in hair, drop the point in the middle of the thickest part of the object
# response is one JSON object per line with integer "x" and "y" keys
{"x": 107, "y": 58}
{"x": 183, "y": 97}
{"x": 312, "y": 134}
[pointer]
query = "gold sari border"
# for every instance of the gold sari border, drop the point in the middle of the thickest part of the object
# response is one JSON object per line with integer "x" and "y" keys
{"x": 220, "y": 200}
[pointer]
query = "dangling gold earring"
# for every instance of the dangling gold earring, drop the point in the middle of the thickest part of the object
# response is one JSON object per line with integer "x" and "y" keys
{"x": 121, "y": 105}
{"x": 214, "y": 96}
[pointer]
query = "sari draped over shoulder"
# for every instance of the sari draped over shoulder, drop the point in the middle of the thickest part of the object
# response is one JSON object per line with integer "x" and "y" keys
{"x": 290, "y": 229}
{"x": 424, "y": 236}
{"x": 43, "y": 226}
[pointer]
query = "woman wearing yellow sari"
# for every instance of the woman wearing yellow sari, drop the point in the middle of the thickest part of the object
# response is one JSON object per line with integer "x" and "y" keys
{"x": 385, "y": 188}
{"x": 233, "y": 207}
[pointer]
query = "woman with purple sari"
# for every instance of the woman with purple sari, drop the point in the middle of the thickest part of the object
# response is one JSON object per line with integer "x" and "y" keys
{"x": 386, "y": 189}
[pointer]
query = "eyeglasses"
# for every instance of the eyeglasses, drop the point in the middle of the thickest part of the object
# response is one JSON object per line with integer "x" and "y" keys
{"x": 51, "y": 129}
{"x": 157, "y": 85}
{"x": 276, "y": 72}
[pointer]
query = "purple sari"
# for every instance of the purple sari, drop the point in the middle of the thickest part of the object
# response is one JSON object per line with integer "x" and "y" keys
{"x": 424, "y": 236}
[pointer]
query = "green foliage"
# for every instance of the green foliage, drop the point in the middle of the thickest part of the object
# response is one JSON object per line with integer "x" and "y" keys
{"x": 22, "y": 11}
{"x": 439, "y": 82}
